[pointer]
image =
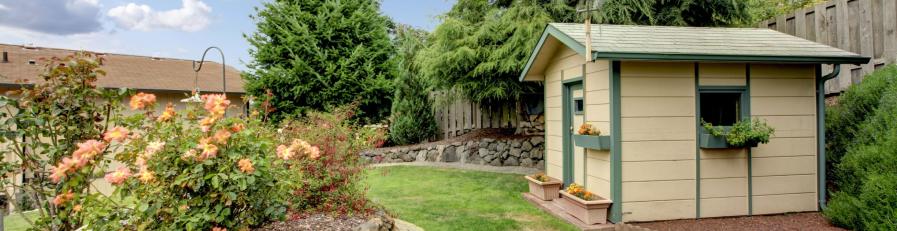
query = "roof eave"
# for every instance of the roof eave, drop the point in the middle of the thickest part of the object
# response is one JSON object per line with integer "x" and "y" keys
{"x": 733, "y": 58}
{"x": 557, "y": 34}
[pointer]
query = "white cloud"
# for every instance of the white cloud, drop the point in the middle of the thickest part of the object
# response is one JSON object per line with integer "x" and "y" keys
{"x": 60, "y": 17}
{"x": 194, "y": 15}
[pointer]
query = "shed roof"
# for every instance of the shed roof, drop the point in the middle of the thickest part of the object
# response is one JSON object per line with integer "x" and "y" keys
{"x": 692, "y": 44}
{"x": 123, "y": 71}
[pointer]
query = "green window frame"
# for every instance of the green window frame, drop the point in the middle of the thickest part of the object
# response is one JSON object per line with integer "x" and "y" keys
{"x": 742, "y": 109}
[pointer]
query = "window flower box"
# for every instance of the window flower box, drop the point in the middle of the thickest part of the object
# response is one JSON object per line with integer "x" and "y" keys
{"x": 592, "y": 142}
{"x": 547, "y": 190}
{"x": 588, "y": 211}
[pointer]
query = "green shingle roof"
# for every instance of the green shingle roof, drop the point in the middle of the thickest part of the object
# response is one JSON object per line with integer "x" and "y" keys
{"x": 700, "y": 41}
{"x": 630, "y": 42}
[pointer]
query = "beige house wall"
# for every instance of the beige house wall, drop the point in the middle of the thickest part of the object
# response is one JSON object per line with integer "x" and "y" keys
{"x": 784, "y": 170}
{"x": 658, "y": 140}
{"x": 562, "y": 66}
{"x": 593, "y": 168}
{"x": 597, "y": 112}
{"x": 724, "y": 173}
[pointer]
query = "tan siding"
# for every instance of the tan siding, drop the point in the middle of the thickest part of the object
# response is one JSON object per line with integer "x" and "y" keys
{"x": 723, "y": 168}
{"x": 771, "y": 185}
{"x": 562, "y": 65}
{"x": 658, "y": 170}
{"x": 597, "y": 113}
{"x": 722, "y": 74}
{"x": 784, "y": 203}
{"x": 658, "y": 210}
{"x": 784, "y": 170}
{"x": 659, "y": 190}
{"x": 658, "y": 134}
{"x": 658, "y": 128}
{"x": 724, "y": 206}
{"x": 657, "y": 106}
{"x": 724, "y": 187}
{"x": 658, "y": 150}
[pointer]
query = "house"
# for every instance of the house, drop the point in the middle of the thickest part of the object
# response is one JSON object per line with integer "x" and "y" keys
{"x": 648, "y": 89}
{"x": 169, "y": 79}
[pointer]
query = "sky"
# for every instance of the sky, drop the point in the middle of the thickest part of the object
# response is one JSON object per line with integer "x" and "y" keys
{"x": 162, "y": 28}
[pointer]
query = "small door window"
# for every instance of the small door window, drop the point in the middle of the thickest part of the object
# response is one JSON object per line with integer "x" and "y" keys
{"x": 578, "y": 106}
{"x": 721, "y": 109}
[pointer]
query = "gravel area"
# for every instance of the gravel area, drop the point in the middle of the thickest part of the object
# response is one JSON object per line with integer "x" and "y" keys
{"x": 316, "y": 222}
{"x": 792, "y": 221}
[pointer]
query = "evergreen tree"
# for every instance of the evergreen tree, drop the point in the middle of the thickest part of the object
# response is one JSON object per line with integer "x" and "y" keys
{"x": 317, "y": 54}
{"x": 481, "y": 47}
{"x": 676, "y": 12}
{"x": 412, "y": 115}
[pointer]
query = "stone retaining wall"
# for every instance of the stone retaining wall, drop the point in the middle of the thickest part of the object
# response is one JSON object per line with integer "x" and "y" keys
{"x": 527, "y": 151}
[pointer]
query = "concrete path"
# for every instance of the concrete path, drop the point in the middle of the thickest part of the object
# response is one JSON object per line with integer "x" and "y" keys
{"x": 474, "y": 167}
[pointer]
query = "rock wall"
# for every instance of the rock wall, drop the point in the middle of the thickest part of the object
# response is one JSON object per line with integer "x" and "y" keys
{"x": 525, "y": 151}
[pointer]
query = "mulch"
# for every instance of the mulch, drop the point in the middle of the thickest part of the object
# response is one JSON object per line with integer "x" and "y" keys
{"x": 317, "y": 222}
{"x": 792, "y": 221}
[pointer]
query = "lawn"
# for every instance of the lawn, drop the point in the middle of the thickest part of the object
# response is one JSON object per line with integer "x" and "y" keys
{"x": 450, "y": 199}
{"x": 14, "y": 221}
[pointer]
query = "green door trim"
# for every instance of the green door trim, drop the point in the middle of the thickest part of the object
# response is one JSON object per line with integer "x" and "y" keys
{"x": 567, "y": 150}
{"x": 616, "y": 150}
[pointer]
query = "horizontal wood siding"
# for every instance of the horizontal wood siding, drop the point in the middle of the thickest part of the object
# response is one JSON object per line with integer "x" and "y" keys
{"x": 784, "y": 170}
{"x": 597, "y": 113}
{"x": 724, "y": 172}
{"x": 564, "y": 58}
{"x": 658, "y": 141}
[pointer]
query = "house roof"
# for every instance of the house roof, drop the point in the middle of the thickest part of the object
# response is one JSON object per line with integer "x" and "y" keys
{"x": 629, "y": 42}
{"x": 124, "y": 71}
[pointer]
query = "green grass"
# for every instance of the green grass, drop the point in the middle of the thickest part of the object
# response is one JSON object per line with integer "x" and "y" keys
{"x": 449, "y": 199}
{"x": 15, "y": 222}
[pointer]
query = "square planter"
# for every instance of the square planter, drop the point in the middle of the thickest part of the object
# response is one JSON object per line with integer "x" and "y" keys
{"x": 592, "y": 142}
{"x": 709, "y": 141}
{"x": 590, "y": 212}
{"x": 544, "y": 190}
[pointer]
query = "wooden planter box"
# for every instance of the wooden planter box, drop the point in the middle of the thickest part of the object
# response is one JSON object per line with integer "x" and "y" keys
{"x": 709, "y": 141}
{"x": 544, "y": 190}
{"x": 590, "y": 212}
{"x": 592, "y": 142}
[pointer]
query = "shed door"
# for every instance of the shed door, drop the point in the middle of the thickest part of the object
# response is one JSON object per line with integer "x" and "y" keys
{"x": 574, "y": 157}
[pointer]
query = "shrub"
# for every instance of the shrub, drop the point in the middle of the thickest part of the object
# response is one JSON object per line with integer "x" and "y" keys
{"x": 412, "y": 118}
{"x": 843, "y": 121}
{"x": 865, "y": 175}
{"x": 332, "y": 169}
{"x": 193, "y": 170}
{"x": 57, "y": 122}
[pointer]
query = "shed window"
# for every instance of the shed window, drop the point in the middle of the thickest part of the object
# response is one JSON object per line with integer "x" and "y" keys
{"x": 721, "y": 109}
{"x": 578, "y": 106}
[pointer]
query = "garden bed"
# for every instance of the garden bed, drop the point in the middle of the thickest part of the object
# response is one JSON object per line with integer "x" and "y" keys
{"x": 792, "y": 221}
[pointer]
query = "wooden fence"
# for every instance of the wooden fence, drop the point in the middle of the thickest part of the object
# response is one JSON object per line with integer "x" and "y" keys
{"x": 462, "y": 116}
{"x": 866, "y": 27}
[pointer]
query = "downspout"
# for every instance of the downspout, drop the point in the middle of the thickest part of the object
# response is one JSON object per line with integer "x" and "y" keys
{"x": 820, "y": 129}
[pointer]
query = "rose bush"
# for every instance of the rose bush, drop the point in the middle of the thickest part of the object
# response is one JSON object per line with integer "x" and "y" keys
{"x": 51, "y": 132}
{"x": 322, "y": 150}
{"x": 193, "y": 170}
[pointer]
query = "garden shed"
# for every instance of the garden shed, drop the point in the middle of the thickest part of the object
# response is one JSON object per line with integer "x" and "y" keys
{"x": 648, "y": 88}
